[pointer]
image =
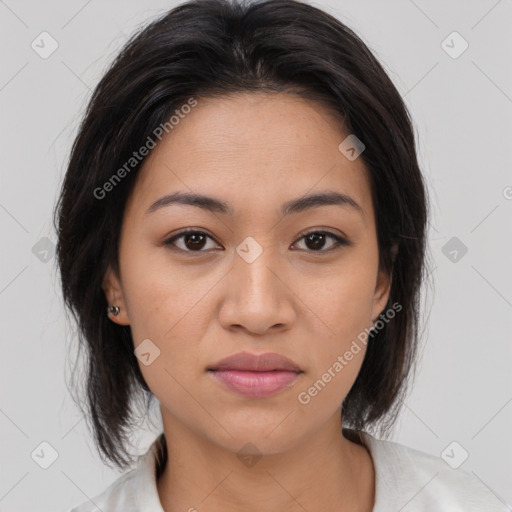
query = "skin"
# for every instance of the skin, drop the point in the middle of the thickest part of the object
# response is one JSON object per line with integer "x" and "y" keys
{"x": 254, "y": 151}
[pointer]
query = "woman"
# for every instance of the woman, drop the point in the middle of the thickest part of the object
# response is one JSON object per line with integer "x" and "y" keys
{"x": 242, "y": 237}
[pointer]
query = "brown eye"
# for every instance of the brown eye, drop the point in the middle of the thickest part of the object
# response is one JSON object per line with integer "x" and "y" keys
{"x": 197, "y": 241}
{"x": 315, "y": 241}
{"x": 190, "y": 241}
{"x": 194, "y": 241}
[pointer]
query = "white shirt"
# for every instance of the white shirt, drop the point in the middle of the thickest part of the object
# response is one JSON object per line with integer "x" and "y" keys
{"x": 406, "y": 480}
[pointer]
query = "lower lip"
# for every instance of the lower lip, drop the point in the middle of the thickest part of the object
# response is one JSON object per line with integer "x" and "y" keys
{"x": 256, "y": 384}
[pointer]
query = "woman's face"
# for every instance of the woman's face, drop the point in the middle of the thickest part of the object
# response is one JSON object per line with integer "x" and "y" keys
{"x": 254, "y": 279}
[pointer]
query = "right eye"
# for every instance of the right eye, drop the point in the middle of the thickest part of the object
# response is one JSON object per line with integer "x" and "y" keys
{"x": 191, "y": 240}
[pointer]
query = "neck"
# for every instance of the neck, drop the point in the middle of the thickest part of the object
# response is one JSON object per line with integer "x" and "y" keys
{"x": 325, "y": 472}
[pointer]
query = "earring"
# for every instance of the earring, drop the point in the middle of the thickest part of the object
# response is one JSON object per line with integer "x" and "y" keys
{"x": 113, "y": 309}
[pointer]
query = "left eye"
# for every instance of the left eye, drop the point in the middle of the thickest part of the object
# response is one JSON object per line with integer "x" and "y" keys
{"x": 317, "y": 239}
{"x": 196, "y": 241}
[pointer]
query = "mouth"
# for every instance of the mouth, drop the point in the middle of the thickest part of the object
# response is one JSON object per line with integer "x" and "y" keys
{"x": 256, "y": 384}
{"x": 255, "y": 376}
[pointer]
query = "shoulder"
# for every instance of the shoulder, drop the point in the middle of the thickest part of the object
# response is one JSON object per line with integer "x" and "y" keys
{"x": 410, "y": 480}
{"x": 120, "y": 495}
{"x": 134, "y": 491}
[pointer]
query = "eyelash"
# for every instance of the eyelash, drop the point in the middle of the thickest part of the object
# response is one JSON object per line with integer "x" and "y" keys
{"x": 340, "y": 241}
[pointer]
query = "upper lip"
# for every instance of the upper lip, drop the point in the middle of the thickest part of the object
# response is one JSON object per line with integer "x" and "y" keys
{"x": 256, "y": 362}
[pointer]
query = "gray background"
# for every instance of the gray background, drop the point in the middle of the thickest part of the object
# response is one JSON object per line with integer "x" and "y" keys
{"x": 462, "y": 110}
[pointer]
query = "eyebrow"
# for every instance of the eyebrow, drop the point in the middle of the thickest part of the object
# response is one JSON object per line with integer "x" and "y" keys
{"x": 214, "y": 205}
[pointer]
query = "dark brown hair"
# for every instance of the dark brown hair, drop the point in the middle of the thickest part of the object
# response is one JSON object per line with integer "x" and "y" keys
{"x": 207, "y": 48}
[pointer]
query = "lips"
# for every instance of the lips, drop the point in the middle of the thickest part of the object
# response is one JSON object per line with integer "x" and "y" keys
{"x": 255, "y": 376}
{"x": 244, "y": 361}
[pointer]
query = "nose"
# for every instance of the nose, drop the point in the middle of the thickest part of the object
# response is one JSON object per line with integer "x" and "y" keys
{"x": 257, "y": 296}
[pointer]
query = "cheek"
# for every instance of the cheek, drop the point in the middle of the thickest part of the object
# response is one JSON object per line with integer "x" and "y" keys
{"x": 168, "y": 307}
{"x": 321, "y": 395}
{"x": 342, "y": 301}
{"x": 343, "y": 304}
{"x": 173, "y": 319}
{"x": 155, "y": 293}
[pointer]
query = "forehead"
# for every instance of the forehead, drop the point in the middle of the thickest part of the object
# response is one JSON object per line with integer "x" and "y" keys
{"x": 253, "y": 148}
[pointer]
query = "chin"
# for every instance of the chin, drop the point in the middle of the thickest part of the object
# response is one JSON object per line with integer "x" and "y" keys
{"x": 267, "y": 433}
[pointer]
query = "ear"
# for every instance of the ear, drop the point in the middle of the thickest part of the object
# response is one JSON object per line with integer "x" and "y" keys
{"x": 383, "y": 288}
{"x": 114, "y": 294}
